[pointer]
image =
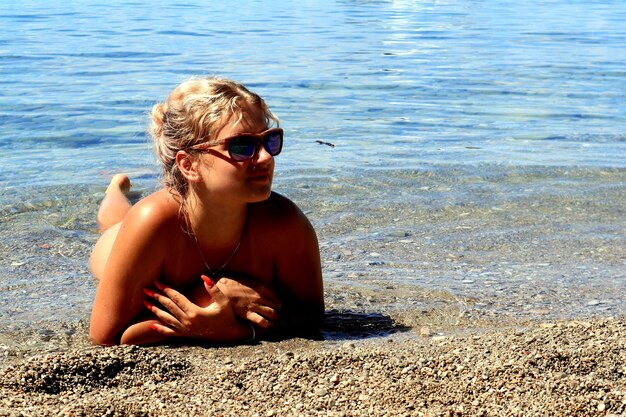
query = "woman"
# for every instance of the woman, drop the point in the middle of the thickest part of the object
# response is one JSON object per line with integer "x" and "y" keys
{"x": 228, "y": 256}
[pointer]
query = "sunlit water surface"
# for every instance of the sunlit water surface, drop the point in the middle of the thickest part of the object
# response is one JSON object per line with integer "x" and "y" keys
{"x": 479, "y": 156}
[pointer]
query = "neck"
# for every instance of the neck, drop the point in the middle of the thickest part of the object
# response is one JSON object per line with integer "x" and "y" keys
{"x": 216, "y": 225}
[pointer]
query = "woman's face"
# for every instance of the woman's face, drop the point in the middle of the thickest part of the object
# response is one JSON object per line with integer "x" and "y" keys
{"x": 246, "y": 181}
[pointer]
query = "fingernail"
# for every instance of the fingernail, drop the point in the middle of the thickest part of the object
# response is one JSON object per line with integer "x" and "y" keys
{"x": 159, "y": 285}
{"x": 148, "y": 292}
{"x": 207, "y": 280}
{"x": 153, "y": 326}
{"x": 148, "y": 305}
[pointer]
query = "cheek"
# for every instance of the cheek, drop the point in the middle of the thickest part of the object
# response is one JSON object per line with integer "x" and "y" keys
{"x": 224, "y": 170}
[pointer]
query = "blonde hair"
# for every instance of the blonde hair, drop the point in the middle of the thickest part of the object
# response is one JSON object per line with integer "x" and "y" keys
{"x": 192, "y": 114}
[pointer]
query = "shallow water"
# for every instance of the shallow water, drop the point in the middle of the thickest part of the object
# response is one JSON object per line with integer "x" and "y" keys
{"x": 464, "y": 249}
{"x": 479, "y": 162}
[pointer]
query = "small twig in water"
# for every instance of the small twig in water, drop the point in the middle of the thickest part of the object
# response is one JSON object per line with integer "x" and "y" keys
{"x": 325, "y": 143}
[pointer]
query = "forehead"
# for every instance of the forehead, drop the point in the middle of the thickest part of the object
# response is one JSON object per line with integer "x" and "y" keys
{"x": 250, "y": 119}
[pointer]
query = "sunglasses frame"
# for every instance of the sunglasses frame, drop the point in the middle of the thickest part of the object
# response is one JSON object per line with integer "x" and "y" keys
{"x": 261, "y": 138}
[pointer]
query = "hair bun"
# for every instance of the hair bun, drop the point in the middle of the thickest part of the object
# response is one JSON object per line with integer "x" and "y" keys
{"x": 158, "y": 114}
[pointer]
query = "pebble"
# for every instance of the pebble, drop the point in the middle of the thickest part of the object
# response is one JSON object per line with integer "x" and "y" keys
{"x": 500, "y": 372}
{"x": 399, "y": 234}
{"x": 425, "y": 331}
{"x": 287, "y": 356}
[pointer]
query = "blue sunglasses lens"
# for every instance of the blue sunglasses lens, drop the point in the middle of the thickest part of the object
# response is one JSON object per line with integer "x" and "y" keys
{"x": 244, "y": 147}
{"x": 273, "y": 143}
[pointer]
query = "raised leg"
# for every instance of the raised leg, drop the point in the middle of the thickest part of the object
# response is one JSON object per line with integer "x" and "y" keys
{"x": 115, "y": 205}
{"x": 112, "y": 210}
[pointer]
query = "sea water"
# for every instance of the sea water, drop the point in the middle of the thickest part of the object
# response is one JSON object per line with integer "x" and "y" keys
{"x": 460, "y": 160}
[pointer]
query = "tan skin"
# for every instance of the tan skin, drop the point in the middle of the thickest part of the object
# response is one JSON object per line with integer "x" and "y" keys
{"x": 275, "y": 273}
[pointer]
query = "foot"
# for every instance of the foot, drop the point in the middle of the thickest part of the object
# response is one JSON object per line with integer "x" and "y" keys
{"x": 115, "y": 204}
{"x": 119, "y": 182}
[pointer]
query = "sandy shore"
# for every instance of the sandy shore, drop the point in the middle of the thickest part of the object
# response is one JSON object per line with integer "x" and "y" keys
{"x": 551, "y": 368}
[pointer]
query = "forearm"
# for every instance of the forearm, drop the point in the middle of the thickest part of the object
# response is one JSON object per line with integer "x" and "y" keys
{"x": 141, "y": 333}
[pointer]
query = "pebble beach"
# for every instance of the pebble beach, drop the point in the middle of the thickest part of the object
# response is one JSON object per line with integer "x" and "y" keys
{"x": 557, "y": 368}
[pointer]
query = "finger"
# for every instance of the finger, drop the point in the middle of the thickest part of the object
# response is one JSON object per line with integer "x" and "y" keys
{"x": 265, "y": 311}
{"x": 263, "y": 301}
{"x": 266, "y": 295}
{"x": 262, "y": 293}
{"x": 149, "y": 292}
{"x": 180, "y": 300}
{"x": 257, "y": 319}
{"x": 216, "y": 294}
{"x": 208, "y": 285}
{"x": 270, "y": 298}
{"x": 164, "y": 330}
{"x": 165, "y": 317}
{"x": 171, "y": 306}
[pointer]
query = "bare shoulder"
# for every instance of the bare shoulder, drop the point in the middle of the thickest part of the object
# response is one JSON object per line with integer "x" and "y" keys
{"x": 152, "y": 225}
{"x": 288, "y": 235}
{"x": 279, "y": 210}
{"x": 158, "y": 209}
{"x": 143, "y": 238}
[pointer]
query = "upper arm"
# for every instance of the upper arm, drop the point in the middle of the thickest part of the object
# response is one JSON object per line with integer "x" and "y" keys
{"x": 298, "y": 265}
{"x": 134, "y": 263}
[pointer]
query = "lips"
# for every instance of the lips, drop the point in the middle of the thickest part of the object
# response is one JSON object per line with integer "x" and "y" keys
{"x": 260, "y": 176}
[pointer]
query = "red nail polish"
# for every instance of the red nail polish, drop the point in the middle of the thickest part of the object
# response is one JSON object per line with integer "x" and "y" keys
{"x": 148, "y": 292}
{"x": 148, "y": 305}
{"x": 207, "y": 280}
{"x": 153, "y": 326}
{"x": 159, "y": 285}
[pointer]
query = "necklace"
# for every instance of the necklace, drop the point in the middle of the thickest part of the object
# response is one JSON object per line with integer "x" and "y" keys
{"x": 212, "y": 273}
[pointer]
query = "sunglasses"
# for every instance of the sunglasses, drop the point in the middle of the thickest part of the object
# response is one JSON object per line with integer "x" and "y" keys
{"x": 246, "y": 145}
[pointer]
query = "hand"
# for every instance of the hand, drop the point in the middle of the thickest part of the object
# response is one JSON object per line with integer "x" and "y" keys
{"x": 251, "y": 300}
{"x": 181, "y": 317}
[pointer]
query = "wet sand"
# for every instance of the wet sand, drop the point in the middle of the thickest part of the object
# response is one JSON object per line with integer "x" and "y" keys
{"x": 561, "y": 368}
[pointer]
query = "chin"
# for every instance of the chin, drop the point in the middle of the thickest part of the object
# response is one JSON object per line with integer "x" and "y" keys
{"x": 258, "y": 196}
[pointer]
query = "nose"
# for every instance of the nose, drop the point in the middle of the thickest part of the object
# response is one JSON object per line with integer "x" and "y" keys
{"x": 262, "y": 156}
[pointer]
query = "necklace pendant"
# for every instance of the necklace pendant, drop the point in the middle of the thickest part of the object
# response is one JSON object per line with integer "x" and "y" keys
{"x": 213, "y": 275}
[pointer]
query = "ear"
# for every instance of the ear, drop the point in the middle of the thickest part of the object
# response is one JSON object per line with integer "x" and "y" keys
{"x": 188, "y": 166}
